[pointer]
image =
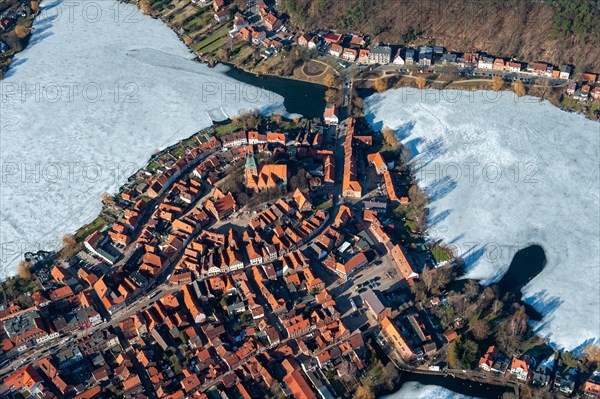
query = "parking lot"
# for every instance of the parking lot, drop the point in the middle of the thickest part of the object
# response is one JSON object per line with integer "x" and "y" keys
{"x": 381, "y": 276}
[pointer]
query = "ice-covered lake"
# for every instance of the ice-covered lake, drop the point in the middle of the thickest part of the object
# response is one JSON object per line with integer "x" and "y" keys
{"x": 99, "y": 89}
{"x": 502, "y": 173}
{"x": 415, "y": 390}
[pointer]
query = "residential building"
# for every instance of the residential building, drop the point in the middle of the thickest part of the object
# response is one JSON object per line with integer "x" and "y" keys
{"x": 349, "y": 54}
{"x": 304, "y": 39}
{"x": 336, "y": 50}
{"x": 377, "y": 305}
{"x": 271, "y": 22}
{"x": 363, "y": 56}
{"x": 498, "y": 64}
{"x": 485, "y": 62}
{"x": 330, "y": 115}
{"x": 487, "y": 361}
{"x": 221, "y": 16}
{"x": 520, "y": 367}
{"x": 394, "y": 335}
{"x": 380, "y": 55}
{"x": 351, "y": 187}
{"x": 513, "y": 66}
{"x": 591, "y": 388}
{"x": 378, "y": 162}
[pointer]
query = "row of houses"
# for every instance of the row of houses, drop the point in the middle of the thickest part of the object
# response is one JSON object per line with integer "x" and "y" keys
{"x": 525, "y": 369}
{"x": 351, "y": 48}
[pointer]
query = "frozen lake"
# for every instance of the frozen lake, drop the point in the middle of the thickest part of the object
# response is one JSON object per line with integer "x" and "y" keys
{"x": 416, "y": 390}
{"x": 100, "y": 88}
{"x": 503, "y": 173}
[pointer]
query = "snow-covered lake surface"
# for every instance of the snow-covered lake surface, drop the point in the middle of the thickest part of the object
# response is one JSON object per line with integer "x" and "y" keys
{"x": 503, "y": 173}
{"x": 415, "y": 390}
{"x": 100, "y": 88}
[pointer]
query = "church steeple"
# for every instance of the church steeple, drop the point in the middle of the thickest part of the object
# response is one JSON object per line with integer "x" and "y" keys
{"x": 251, "y": 169}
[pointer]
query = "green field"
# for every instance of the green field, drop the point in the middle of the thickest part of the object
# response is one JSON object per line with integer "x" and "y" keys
{"x": 220, "y": 130}
{"x": 439, "y": 254}
{"x": 213, "y": 42}
{"x": 88, "y": 229}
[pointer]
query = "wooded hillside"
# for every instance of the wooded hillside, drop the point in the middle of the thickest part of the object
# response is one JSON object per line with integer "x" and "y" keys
{"x": 556, "y": 31}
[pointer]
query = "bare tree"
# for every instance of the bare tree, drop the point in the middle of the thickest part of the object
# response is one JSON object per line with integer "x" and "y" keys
{"x": 364, "y": 392}
{"x": 417, "y": 196}
{"x": 108, "y": 199}
{"x": 471, "y": 289}
{"x": 348, "y": 371}
{"x": 329, "y": 80}
{"x": 389, "y": 136}
{"x": 381, "y": 84}
{"x": 391, "y": 375}
{"x": 480, "y": 329}
{"x": 68, "y": 240}
{"x": 427, "y": 276}
{"x": 497, "y": 83}
{"x": 276, "y": 118}
{"x": 404, "y": 158}
{"x": 512, "y": 330}
{"x": 519, "y": 88}
{"x": 21, "y": 31}
{"x": 330, "y": 95}
{"x": 592, "y": 353}
{"x": 145, "y": 6}
{"x": 24, "y": 269}
{"x": 497, "y": 306}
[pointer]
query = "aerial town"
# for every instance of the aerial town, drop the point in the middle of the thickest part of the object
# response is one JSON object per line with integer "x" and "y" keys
{"x": 263, "y": 27}
{"x": 280, "y": 257}
{"x": 250, "y": 263}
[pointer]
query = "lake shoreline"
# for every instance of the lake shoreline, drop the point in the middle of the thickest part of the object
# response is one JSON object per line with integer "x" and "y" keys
{"x": 258, "y": 76}
{"x": 554, "y": 98}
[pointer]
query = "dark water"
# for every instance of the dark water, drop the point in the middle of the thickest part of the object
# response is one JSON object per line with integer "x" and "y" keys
{"x": 307, "y": 99}
{"x": 526, "y": 264}
{"x": 464, "y": 387}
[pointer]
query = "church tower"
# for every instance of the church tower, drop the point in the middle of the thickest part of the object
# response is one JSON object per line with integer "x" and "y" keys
{"x": 251, "y": 170}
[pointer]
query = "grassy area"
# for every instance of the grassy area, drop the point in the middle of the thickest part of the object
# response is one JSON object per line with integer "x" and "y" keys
{"x": 88, "y": 229}
{"x": 241, "y": 52}
{"x": 178, "y": 152}
{"x": 212, "y": 42}
{"x": 158, "y": 5}
{"x": 230, "y": 127}
{"x": 199, "y": 24}
{"x": 16, "y": 289}
{"x": 469, "y": 85}
{"x": 152, "y": 166}
{"x": 439, "y": 254}
{"x": 375, "y": 374}
{"x": 325, "y": 205}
